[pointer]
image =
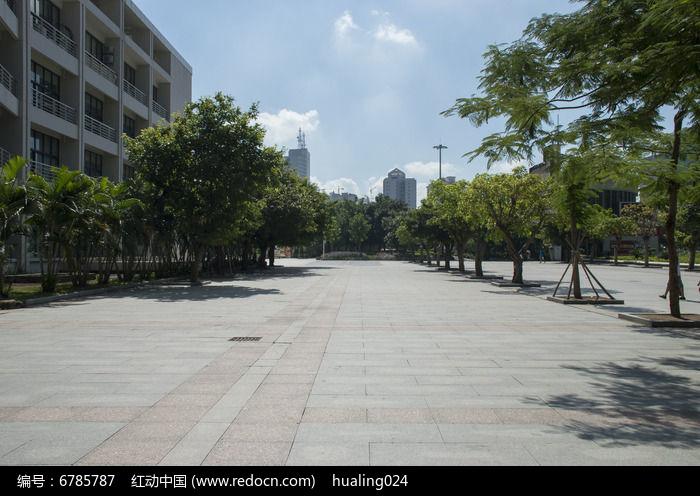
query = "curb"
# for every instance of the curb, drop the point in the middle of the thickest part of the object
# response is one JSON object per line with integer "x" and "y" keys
{"x": 591, "y": 301}
{"x": 641, "y": 319}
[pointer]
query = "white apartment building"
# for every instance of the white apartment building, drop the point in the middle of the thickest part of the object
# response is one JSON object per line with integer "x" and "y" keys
{"x": 77, "y": 74}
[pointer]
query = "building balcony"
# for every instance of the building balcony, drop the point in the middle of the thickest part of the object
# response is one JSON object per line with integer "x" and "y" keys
{"x": 100, "y": 129}
{"x": 42, "y": 170}
{"x": 8, "y": 80}
{"x": 54, "y": 107}
{"x": 50, "y": 32}
{"x": 8, "y": 17}
{"x": 100, "y": 68}
{"x": 158, "y": 109}
{"x": 4, "y": 156}
{"x": 8, "y": 92}
{"x": 135, "y": 93}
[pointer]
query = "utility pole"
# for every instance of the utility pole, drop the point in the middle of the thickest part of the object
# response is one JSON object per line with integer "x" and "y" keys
{"x": 440, "y": 148}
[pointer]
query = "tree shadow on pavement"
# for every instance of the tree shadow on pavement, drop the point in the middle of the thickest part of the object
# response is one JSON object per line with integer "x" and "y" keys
{"x": 172, "y": 293}
{"x": 651, "y": 402}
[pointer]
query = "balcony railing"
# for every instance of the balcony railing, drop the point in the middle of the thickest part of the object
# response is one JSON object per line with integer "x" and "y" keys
{"x": 49, "y": 31}
{"x": 42, "y": 170}
{"x": 160, "y": 110}
{"x": 54, "y": 107}
{"x": 7, "y": 80}
{"x": 100, "y": 68}
{"x": 136, "y": 93}
{"x": 100, "y": 129}
{"x": 4, "y": 156}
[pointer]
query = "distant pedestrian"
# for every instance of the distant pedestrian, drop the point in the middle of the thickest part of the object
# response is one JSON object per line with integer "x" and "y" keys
{"x": 541, "y": 256}
{"x": 680, "y": 285}
{"x": 528, "y": 255}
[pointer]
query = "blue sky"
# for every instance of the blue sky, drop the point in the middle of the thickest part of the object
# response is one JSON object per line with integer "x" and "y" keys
{"x": 366, "y": 80}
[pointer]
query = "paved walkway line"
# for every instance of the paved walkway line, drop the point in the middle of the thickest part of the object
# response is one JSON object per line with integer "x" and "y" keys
{"x": 199, "y": 442}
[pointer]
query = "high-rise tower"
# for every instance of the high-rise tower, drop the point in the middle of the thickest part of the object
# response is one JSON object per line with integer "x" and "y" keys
{"x": 300, "y": 159}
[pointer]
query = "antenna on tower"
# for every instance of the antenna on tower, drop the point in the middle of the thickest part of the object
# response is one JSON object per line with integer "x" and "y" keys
{"x": 301, "y": 140}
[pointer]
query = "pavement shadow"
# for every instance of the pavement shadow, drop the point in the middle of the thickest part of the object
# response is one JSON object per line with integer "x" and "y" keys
{"x": 652, "y": 402}
{"x": 185, "y": 292}
{"x": 277, "y": 273}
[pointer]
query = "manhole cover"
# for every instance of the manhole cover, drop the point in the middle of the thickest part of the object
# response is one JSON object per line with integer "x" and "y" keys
{"x": 244, "y": 339}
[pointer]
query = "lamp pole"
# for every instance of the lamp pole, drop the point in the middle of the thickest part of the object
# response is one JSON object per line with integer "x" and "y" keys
{"x": 440, "y": 148}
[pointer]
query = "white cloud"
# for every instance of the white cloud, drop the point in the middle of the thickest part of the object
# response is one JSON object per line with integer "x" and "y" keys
{"x": 283, "y": 127}
{"x": 340, "y": 185}
{"x": 392, "y": 34}
{"x": 429, "y": 170}
{"x": 506, "y": 167}
{"x": 344, "y": 24}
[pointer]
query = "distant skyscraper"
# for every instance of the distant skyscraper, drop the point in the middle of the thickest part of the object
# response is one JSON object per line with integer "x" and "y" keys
{"x": 300, "y": 159}
{"x": 398, "y": 187}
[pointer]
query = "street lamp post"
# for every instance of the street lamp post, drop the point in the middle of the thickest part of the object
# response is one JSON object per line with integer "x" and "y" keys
{"x": 440, "y": 148}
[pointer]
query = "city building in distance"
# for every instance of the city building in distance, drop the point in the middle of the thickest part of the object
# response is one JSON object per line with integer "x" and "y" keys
{"x": 398, "y": 187}
{"x": 343, "y": 197}
{"x": 75, "y": 75}
{"x": 300, "y": 159}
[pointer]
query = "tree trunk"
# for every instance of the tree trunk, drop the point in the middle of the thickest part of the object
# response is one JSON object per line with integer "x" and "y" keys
{"x": 673, "y": 187}
{"x": 479, "y": 257}
{"x": 460, "y": 257}
{"x": 691, "y": 257}
{"x": 271, "y": 254}
{"x": 575, "y": 247}
{"x": 196, "y": 266}
{"x": 517, "y": 261}
{"x": 618, "y": 241}
{"x": 646, "y": 251}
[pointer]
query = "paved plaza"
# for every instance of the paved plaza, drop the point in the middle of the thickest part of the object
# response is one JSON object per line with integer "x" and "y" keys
{"x": 358, "y": 363}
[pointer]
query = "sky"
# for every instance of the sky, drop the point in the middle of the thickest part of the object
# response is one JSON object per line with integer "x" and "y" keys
{"x": 365, "y": 80}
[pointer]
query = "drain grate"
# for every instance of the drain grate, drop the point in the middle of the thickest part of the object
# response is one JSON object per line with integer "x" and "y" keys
{"x": 245, "y": 339}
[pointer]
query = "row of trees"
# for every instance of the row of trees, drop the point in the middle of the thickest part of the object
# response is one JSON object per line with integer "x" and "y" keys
{"x": 207, "y": 191}
{"x": 520, "y": 211}
{"x": 619, "y": 66}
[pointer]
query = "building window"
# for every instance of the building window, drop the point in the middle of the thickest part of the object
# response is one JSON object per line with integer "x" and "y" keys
{"x": 129, "y": 172}
{"x": 155, "y": 93}
{"x": 94, "y": 47}
{"x": 129, "y": 127}
{"x": 47, "y": 11}
{"x": 46, "y": 81}
{"x": 44, "y": 149}
{"x": 129, "y": 74}
{"x": 94, "y": 107}
{"x": 93, "y": 164}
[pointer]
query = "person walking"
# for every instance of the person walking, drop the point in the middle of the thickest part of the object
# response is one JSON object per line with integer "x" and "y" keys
{"x": 680, "y": 285}
{"x": 541, "y": 256}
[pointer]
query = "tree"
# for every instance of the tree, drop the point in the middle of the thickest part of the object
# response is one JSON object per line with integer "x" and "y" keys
{"x": 54, "y": 217}
{"x": 689, "y": 230}
{"x": 382, "y": 215}
{"x": 646, "y": 220}
{"x": 13, "y": 202}
{"x": 619, "y": 62}
{"x": 206, "y": 166}
{"x": 609, "y": 224}
{"x": 358, "y": 230}
{"x": 517, "y": 206}
{"x": 294, "y": 212}
{"x": 445, "y": 202}
{"x": 474, "y": 211}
